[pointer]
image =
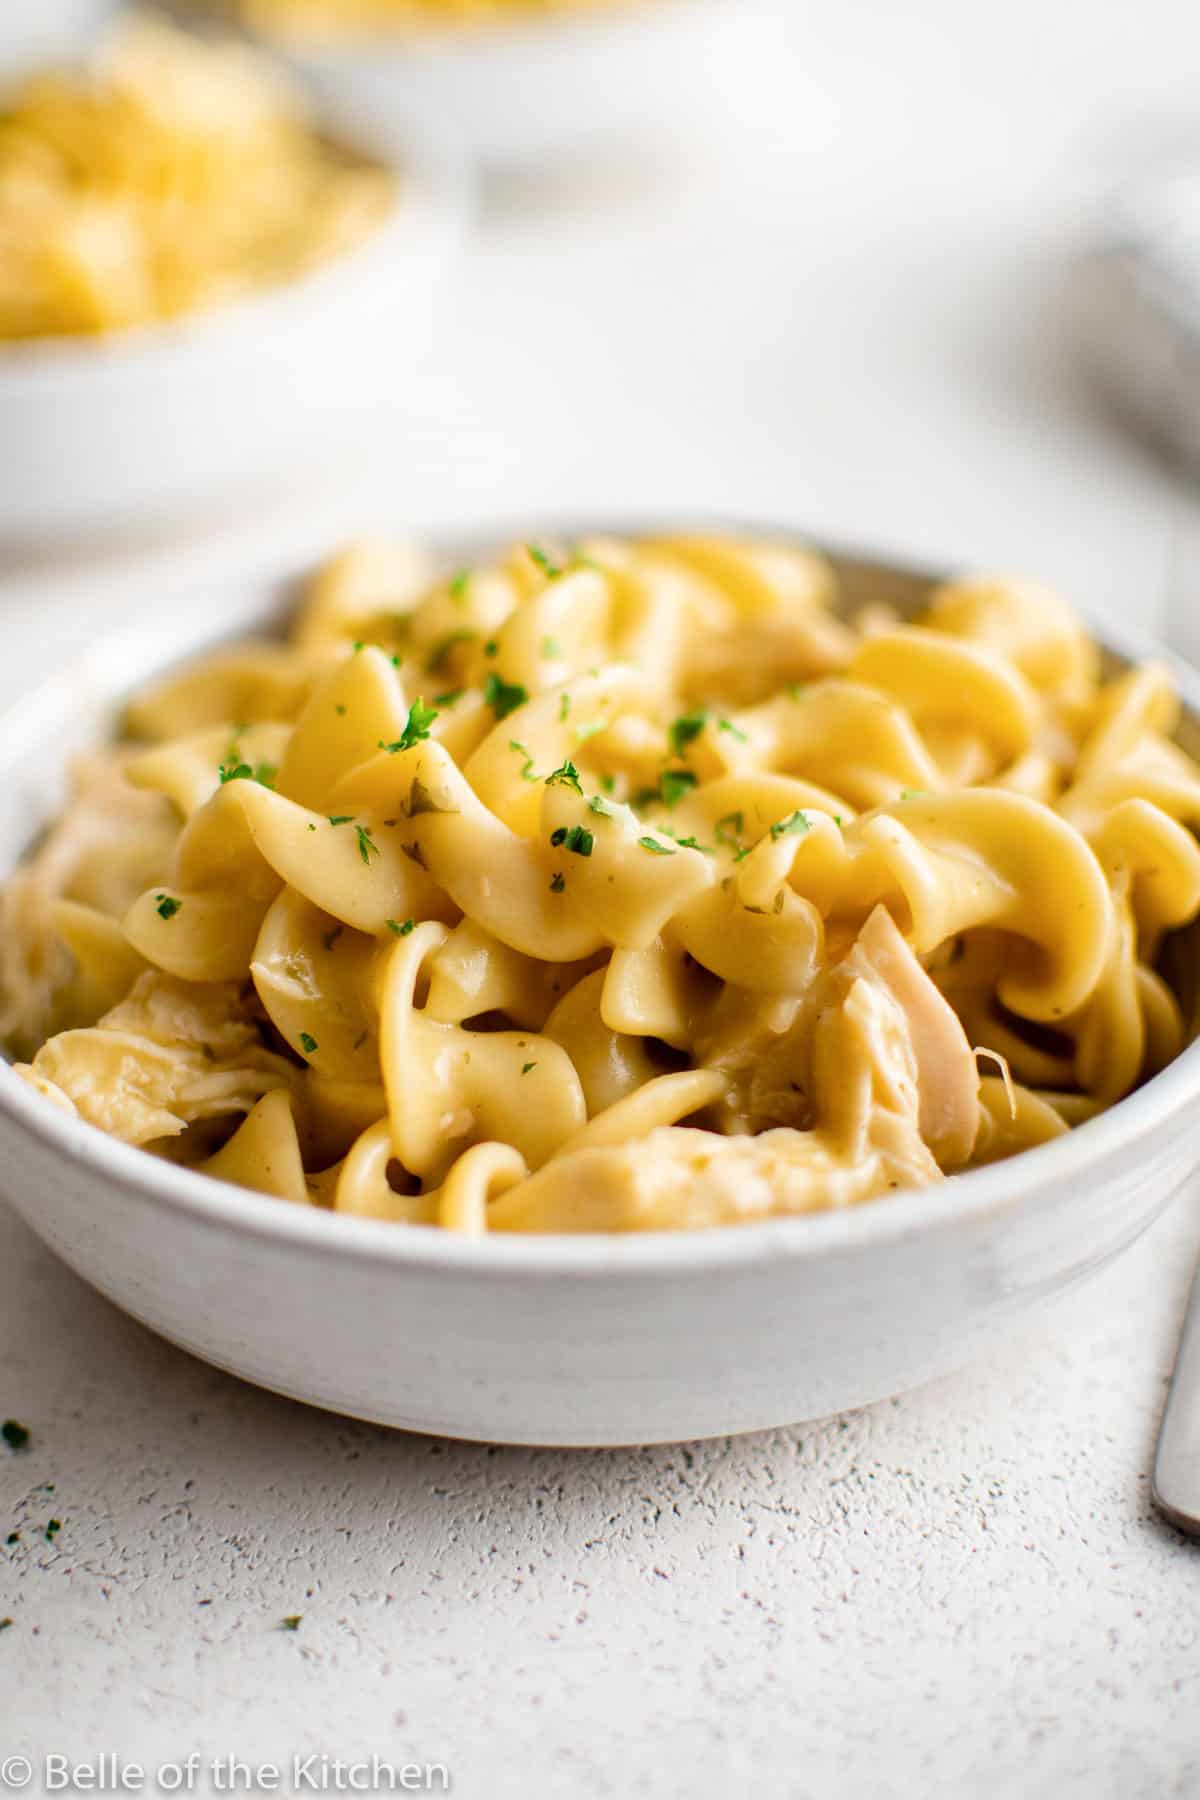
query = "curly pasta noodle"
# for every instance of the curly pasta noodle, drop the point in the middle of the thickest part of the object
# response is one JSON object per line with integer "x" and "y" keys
{"x": 615, "y": 887}
{"x": 173, "y": 175}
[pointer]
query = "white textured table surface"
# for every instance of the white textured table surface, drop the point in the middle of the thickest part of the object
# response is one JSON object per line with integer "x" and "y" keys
{"x": 962, "y": 1592}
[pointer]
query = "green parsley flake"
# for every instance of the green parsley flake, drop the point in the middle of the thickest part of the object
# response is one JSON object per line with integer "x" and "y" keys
{"x": 797, "y": 825}
{"x": 686, "y": 729}
{"x": 53, "y": 1527}
{"x": 735, "y": 731}
{"x": 576, "y": 837}
{"x": 416, "y": 727}
{"x": 673, "y": 784}
{"x": 737, "y": 821}
{"x": 308, "y": 1043}
{"x": 439, "y": 656}
{"x": 795, "y": 690}
{"x": 166, "y": 906}
{"x": 291, "y": 1623}
{"x": 491, "y": 647}
{"x": 584, "y": 732}
{"x": 653, "y": 845}
{"x": 5, "y": 1624}
{"x": 399, "y": 930}
{"x": 15, "y": 1435}
{"x": 528, "y": 1067}
{"x": 527, "y": 773}
{"x": 264, "y": 773}
{"x": 566, "y": 775}
{"x": 609, "y": 783}
{"x": 600, "y": 806}
{"x": 367, "y": 847}
{"x": 459, "y": 584}
{"x": 564, "y": 708}
{"x": 558, "y": 883}
{"x": 551, "y": 647}
{"x": 341, "y": 818}
{"x": 549, "y": 569}
{"x": 340, "y": 710}
{"x": 14, "y": 1537}
{"x": 450, "y": 698}
{"x": 503, "y": 697}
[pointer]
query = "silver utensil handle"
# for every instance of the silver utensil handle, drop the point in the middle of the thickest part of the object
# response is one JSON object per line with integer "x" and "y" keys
{"x": 1176, "y": 1484}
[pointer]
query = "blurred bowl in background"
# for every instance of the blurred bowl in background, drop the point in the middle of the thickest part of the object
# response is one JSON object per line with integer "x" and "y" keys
{"x": 140, "y": 428}
{"x": 517, "y": 91}
{"x": 37, "y": 32}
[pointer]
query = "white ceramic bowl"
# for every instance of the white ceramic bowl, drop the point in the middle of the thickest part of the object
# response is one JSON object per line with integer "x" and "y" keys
{"x": 524, "y": 89}
{"x": 583, "y": 1340}
{"x": 148, "y": 426}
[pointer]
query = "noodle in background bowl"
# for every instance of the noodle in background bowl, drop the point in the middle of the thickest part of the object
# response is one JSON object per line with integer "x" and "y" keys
{"x": 145, "y": 426}
{"x": 579, "y": 1340}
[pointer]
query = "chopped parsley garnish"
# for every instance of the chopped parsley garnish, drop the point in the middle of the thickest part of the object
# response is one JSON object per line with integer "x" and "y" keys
{"x": 14, "y": 1537}
{"x": 528, "y": 1067}
{"x": 566, "y": 775}
{"x": 436, "y": 661}
{"x": 527, "y": 773}
{"x": 673, "y": 784}
{"x": 558, "y": 883}
{"x": 308, "y": 1043}
{"x": 340, "y": 710}
{"x": 5, "y": 1624}
{"x": 797, "y": 825}
{"x": 459, "y": 584}
{"x": 367, "y": 847}
{"x": 491, "y": 647}
{"x": 166, "y": 906}
{"x": 609, "y": 783}
{"x": 795, "y": 689}
{"x": 653, "y": 845}
{"x": 53, "y": 1527}
{"x": 733, "y": 840}
{"x": 503, "y": 697}
{"x": 416, "y": 727}
{"x": 584, "y": 732}
{"x": 399, "y": 930}
{"x": 310, "y": 827}
{"x": 549, "y": 569}
{"x": 735, "y": 731}
{"x": 575, "y": 837}
{"x": 15, "y": 1435}
{"x": 291, "y": 1623}
{"x": 264, "y": 773}
{"x": 564, "y": 708}
{"x": 692, "y": 843}
{"x": 449, "y": 698}
{"x": 341, "y": 818}
{"x": 686, "y": 729}
{"x": 551, "y": 647}
{"x": 600, "y": 806}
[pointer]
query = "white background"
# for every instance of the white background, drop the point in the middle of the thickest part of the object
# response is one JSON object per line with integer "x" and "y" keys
{"x": 838, "y": 304}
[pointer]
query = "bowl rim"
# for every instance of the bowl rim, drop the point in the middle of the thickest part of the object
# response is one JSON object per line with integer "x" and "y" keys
{"x": 434, "y": 202}
{"x": 975, "y": 1198}
{"x": 517, "y": 31}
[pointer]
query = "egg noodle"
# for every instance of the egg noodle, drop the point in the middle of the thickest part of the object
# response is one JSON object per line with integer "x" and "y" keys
{"x": 613, "y": 887}
{"x": 172, "y": 175}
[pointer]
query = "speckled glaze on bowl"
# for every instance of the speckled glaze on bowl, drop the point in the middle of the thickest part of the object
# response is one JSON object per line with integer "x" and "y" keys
{"x": 569, "y": 1341}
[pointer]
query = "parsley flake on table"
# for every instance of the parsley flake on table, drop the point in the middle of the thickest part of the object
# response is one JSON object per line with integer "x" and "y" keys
{"x": 53, "y": 1527}
{"x": 502, "y": 696}
{"x": 15, "y": 1435}
{"x": 291, "y": 1622}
